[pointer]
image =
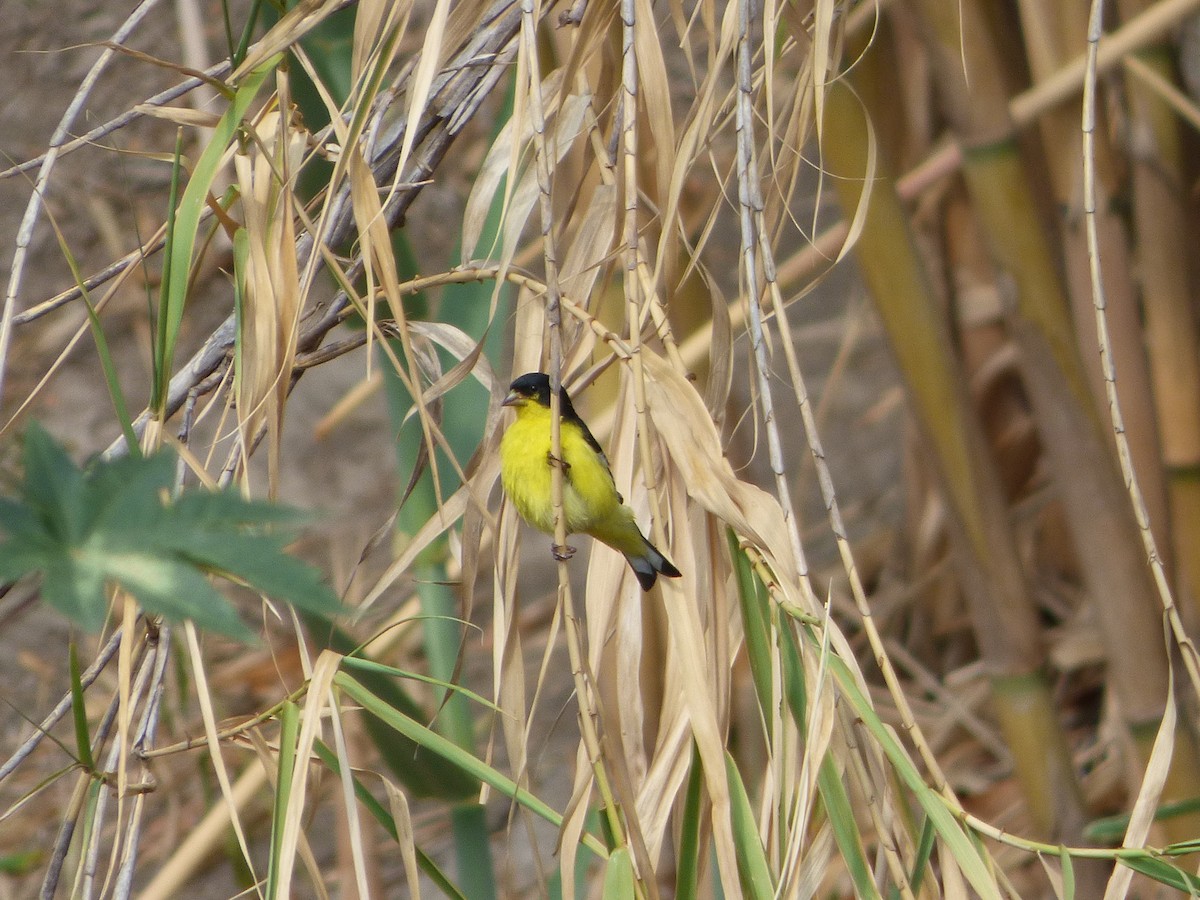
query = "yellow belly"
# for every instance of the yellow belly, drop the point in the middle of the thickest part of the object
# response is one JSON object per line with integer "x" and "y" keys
{"x": 589, "y": 496}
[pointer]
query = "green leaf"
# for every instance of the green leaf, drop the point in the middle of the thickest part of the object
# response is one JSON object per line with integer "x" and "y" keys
{"x": 83, "y": 739}
{"x": 126, "y": 495}
{"x": 75, "y": 589}
{"x": 17, "y": 519}
{"x": 184, "y": 223}
{"x": 53, "y": 486}
{"x": 289, "y": 730}
{"x": 261, "y": 563}
{"x": 846, "y": 832}
{"x": 173, "y": 589}
{"x": 1111, "y": 829}
{"x": 753, "y": 868}
{"x": 115, "y": 524}
{"x": 1163, "y": 872}
{"x": 966, "y": 853}
{"x": 384, "y": 818}
{"x": 752, "y": 598}
{"x": 455, "y": 755}
{"x": 20, "y": 863}
{"x": 1068, "y": 874}
{"x": 687, "y": 866}
{"x": 618, "y": 876}
{"x": 422, "y": 773}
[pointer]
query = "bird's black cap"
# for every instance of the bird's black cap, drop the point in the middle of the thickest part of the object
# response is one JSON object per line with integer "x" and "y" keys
{"x": 534, "y": 386}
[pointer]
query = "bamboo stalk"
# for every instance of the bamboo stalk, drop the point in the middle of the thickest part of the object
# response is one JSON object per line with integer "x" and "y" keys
{"x": 1001, "y": 609}
{"x": 1163, "y": 243}
{"x": 1053, "y": 33}
{"x": 1105, "y": 532}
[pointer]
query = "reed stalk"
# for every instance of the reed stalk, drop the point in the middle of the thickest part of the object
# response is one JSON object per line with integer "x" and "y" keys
{"x": 1163, "y": 244}
{"x": 1105, "y": 532}
{"x": 1002, "y": 612}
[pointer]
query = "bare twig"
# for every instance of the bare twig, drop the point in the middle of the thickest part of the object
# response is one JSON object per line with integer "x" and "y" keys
{"x": 34, "y": 207}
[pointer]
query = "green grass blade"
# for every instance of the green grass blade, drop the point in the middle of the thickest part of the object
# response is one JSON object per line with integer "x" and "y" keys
{"x": 183, "y": 226}
{"x": 753, "y": 868}
{"x": 454, "y": 754}
{"x": 1162, "y": 872}
{"x": 960, "y": 845}
{"x": 83, "y": 739}
{"x": 924, "y": 852}
{"x": 618, "y": 876}
{"x": 752, "y": 599}
{"x": 289, "y": 731}
{"x": 845, "y": 829}
{"x": 687, "y": 866}
{"x": 1068, "y": 874}
{"x": 473, "y": 851}
{"x": 384, "y": 818}
{"x": 422, "y": 773}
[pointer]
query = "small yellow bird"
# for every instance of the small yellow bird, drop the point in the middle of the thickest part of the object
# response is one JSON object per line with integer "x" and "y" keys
{"x": 591, "y": 503}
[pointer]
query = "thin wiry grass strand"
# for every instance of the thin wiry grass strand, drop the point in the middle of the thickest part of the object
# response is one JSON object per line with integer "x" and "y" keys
{"x": 1187, "y": 648}
{"x": 33, "y": 209}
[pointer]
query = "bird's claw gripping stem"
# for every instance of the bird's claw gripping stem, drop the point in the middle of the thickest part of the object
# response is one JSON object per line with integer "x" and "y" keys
{"x": 562, "y": 552}
{"x": 556, "y": 462}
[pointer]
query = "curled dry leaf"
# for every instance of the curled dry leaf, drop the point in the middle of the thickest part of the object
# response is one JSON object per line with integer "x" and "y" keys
{"x": 684, "y": 425}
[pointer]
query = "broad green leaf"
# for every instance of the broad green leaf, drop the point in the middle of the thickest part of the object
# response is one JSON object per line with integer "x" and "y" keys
{"x": 75, "y": 589}
{"x": 229, "y": 507}
{"x": 124, "y": 496}
{"x": 18, "y": 519}
{"x": 174, "y": 589}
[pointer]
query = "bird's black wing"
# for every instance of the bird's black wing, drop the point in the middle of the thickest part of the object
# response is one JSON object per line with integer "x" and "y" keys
{"x": 569, "y": 415}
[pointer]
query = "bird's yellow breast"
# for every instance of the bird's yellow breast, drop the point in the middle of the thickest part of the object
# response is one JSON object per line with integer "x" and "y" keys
{"x": 589, "y": 495}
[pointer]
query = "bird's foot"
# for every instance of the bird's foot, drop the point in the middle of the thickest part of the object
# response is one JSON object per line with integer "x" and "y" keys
{"x": 562, "y": 552}
{"x": 555, "y": 462}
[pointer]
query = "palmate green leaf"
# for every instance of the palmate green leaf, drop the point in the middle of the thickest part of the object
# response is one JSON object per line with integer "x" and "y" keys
{"x": 176, "y": 590}
{"x": 85, "y": 530}
{"x": 75, "y": 587}
{"x": 53, "y": 485}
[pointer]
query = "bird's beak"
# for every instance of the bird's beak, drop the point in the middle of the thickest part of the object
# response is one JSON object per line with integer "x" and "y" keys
{"x": 513, "y": 399}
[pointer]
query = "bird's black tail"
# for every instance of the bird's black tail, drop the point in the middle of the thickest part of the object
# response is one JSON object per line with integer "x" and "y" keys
{"x": 649, "y": 565}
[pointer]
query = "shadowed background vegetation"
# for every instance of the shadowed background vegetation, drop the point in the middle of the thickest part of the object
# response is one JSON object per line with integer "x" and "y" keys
{"x": 884, "y": 314}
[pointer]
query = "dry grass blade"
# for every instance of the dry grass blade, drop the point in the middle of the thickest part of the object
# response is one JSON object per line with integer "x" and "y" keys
{"x": 271, "y": 298}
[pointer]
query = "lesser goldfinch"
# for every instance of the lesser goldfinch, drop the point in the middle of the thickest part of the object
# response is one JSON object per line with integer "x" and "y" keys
{"x": 591, "y": 503}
